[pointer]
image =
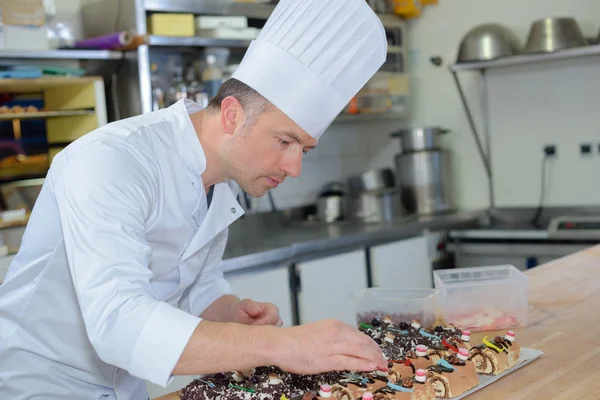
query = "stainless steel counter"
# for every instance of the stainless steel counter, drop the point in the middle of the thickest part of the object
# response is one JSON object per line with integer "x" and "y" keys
{"x": 253, "y": 244}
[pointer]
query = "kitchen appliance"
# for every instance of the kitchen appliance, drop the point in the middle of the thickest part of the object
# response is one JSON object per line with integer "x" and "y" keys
{"x": 424, "y": 178}
{"x": 331, "y": 202}
{"x": 372, "y": 180}
{"x": 422, "y": 138}
{"x": 376, "y": 206}
{"x": 487, "y": 42}
{"x": 551, "y": 34}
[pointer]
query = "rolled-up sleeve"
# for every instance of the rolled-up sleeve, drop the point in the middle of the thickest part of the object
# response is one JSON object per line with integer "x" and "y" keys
{"x": 210, "y": 284}
{"x": 105, "y": 198}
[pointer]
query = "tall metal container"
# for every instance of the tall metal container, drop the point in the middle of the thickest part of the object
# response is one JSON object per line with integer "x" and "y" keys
{"x": 423, "y": 173}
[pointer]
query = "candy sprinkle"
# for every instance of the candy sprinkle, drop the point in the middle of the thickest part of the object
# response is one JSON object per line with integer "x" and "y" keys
{"x": 399, "y": 388}
{"x": 210, "y": 384}
{"x": 491, "y": 345}
{"x": 366, "y": 326}
{"x": 231, "y": 385}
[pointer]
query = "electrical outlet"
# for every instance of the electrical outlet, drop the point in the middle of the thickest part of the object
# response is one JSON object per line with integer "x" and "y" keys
{"x": 585, "y": 149}
{"x": 550, "y": 150}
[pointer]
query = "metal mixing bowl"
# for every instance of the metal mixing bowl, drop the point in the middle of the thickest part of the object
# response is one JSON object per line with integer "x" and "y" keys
{"x": 551, "y": 34}
{"x": 486, "y": 42}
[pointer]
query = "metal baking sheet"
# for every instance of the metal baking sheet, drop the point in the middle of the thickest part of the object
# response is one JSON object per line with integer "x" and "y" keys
{"x": 527, "y": 356}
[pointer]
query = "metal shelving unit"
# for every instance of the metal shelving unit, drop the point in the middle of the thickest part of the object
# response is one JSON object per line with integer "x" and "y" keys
{"x": 132, "y": 84}
{"x": 196, "y": 41}
{"x": 44, "y": 114}
{"x": 223, "y": 7}
{"x": 482, "y": 67}
{"x": 523, "y": 59}
{"x": 62, "y": 54}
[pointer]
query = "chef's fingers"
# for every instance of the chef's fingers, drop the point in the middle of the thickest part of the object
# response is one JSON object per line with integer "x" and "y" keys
{"x": 347, "y": 363}
{"x": 361, "y": 351}
{"x": 279, "y": 322}
{"x": 250, "y": 307}
{"x": 268, "y": 319}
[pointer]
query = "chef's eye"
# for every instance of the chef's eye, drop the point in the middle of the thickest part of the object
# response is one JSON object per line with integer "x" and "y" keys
{"x": 284, "y": 142}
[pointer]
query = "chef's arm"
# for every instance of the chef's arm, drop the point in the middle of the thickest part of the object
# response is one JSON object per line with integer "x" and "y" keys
{"x": 222, "y": 309}
{"x": 308, "y": 349}
{"x": 106, "y": 197}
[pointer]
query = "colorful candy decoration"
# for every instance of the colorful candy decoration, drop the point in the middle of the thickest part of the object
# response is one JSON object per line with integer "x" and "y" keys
{"x": 398, "y": 388}
{"x": 463, "y": 354}
{"x": 491, "y": 345}
{"x": 466, "y": 336}
{"x": 510, "y": 335}
{"x": 421, "y": 350}
{"x": 367, "y": 396}
{"x": 449, "y": 346}
{"x": 421, "y": 376}
{"x": 249, "y": 390}
{"x": 325, "y": 391}
{"x": 415, "y": 324}
{"x": 210, "y": 384}
{"x": 445, "y": 364}
{"x": 428, "y": 335}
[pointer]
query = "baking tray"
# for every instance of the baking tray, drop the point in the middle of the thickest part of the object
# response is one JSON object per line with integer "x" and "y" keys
{"x": 527, "y": 356}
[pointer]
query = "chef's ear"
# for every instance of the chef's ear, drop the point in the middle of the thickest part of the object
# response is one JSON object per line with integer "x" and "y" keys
{"x": 231, "y": 115}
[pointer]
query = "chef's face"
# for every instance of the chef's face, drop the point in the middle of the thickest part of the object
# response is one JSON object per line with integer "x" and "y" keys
{"x": 261, "y": 156}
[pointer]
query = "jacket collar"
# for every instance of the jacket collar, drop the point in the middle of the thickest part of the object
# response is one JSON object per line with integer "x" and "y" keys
{"x": 186, "y": 140}
{"x": 225, "y": 208}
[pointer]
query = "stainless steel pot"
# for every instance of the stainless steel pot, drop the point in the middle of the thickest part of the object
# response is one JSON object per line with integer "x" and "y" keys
{"x": 330, "y": 208}
{"x": 487, "y": 42}
{"x": 331, "y": 202}
{"x": 377, "y": 205}
{"x": 552, "y": 34}
{"x": 372, "y": 180}
{"x": 424, "y": 178}
{"x": 417, "y": 139}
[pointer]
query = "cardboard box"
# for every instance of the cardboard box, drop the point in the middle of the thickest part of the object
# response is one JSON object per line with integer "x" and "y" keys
{"x": 23, "y": 12}
{"x": 171, "y": 24}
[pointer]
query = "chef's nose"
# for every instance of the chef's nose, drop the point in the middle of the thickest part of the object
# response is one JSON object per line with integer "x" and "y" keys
{"x": 292, "y": 165}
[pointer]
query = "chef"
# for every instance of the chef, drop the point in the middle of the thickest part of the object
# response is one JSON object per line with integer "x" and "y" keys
{"x": 118, "y": 280}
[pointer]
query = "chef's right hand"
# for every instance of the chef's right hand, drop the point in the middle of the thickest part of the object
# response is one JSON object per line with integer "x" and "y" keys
{"x": 328, "y": 345}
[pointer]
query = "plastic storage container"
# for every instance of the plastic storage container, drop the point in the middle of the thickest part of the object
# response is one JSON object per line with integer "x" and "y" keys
{"x": 484, "y": 298}
{"x": 400, "y": 304}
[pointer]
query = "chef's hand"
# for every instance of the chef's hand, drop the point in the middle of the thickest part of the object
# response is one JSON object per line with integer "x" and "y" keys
{"x": 328, "y": 345}
{"x": 250, "y": 312}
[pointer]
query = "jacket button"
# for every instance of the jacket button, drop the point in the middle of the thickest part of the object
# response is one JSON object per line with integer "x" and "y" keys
{"x": 233, "y": 210}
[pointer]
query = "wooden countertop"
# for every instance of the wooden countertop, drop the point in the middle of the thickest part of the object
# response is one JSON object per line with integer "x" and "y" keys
{"x": 564, "y": 322}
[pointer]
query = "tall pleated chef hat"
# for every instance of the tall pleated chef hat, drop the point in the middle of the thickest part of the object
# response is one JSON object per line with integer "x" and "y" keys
{"x": 313, "y": 56}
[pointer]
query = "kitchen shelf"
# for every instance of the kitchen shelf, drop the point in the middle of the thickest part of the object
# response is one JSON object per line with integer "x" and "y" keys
{"x": 368, "y": 117}
{"x": 522, "y": 59}
{"x": 196, "y": 41}
{"x": 10, "y": 85}
{"x": 65, "y": 54}
{"x": 44, "y": 114}
{"x": 222, "y": 7}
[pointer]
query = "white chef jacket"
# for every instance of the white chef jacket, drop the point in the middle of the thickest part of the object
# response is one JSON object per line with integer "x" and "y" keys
{"x": 119, "y": 258}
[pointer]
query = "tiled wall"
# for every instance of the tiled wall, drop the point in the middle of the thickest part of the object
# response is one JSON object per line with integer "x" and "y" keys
{"x": 345, "y": 149}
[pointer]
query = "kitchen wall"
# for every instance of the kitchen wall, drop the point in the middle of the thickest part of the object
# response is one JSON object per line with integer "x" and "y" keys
{"x": 345, "y": 149}
{"x": 529, "y": 106}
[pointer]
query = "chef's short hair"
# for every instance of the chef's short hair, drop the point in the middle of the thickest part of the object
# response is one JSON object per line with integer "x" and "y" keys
{"x": 252, "y": 101}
